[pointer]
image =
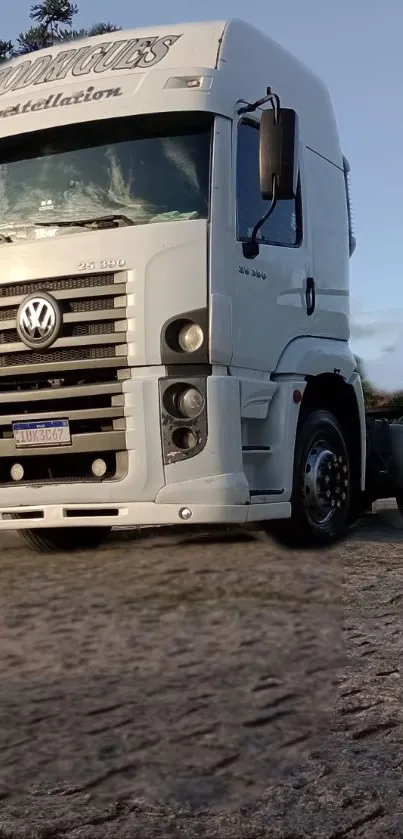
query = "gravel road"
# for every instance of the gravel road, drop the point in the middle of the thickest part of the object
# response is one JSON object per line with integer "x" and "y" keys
{"x": 186, "y": 685}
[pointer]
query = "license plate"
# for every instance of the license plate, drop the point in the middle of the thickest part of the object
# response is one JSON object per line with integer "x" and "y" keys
{"x": 42, "y": 433}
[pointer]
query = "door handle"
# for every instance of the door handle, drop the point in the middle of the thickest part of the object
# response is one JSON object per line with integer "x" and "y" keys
{"x": 310, "y": 296}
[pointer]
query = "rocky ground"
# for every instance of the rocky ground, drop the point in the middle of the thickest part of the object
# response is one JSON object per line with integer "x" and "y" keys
{"x": 203, "y": 685}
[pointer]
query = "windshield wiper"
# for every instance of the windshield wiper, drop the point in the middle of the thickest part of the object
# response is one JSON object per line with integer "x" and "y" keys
{"x": 99, "y": 222}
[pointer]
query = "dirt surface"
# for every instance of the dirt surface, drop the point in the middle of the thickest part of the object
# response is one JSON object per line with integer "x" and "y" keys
{"x": 193, "y": 685}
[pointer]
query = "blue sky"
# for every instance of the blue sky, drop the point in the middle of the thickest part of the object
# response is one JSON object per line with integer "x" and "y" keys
{"x": 355, "y": 46}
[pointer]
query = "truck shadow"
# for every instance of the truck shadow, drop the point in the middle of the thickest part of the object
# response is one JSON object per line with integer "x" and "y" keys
{"x": 183, "y": 535}
{"x": 385, "y": 524}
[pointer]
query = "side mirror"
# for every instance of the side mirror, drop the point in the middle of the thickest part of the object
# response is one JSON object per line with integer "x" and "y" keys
{"x": 279, "y": 153}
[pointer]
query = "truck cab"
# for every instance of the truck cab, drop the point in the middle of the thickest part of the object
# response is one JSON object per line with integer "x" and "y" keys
{"x": 175, "y": 237}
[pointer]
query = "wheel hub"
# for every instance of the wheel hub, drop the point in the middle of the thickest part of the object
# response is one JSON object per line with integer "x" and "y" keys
{"x": 326, "y": 481}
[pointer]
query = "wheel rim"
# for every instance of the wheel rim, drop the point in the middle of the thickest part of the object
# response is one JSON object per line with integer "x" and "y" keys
{"x": 326, "y": 481}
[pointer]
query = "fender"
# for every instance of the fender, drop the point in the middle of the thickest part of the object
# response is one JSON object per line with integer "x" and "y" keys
{"x": 312, "y": 356}
{"x": 316, "y": 356}
{"x": 355, "y": 382}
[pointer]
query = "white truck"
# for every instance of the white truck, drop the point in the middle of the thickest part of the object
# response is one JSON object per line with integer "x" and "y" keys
{"x": 175, "y": 235}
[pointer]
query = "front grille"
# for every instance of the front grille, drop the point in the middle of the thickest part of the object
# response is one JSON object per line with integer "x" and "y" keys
{"x": 95, "y": 304}
{"x": 98, "y": 328}
{"x": 53, "y": 357}
{"x": 10, "y": 336}
{"x": 51, "y": 469}
{"x": 56, "y": 284}
{"x": 79, "y": 378}
{"x": 8, "y": 314}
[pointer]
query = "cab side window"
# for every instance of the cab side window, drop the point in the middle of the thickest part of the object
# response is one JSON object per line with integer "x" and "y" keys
{"x": 284, "y": 225}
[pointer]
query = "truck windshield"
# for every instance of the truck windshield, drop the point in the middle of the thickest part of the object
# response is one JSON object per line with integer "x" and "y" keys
{"x": 145, "y": 169}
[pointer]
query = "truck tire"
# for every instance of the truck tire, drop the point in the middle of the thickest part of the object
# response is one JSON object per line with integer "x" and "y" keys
{"x": 321, "y": 498}
{"x": 65, "y": 539}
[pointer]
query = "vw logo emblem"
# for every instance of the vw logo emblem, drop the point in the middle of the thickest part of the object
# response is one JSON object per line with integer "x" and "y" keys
{"x": 39, "y": 320}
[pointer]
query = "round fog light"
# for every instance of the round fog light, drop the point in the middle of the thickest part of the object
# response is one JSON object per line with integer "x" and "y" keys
{"x": 17, "y": 472}
{"x": 98, "y": 468}
{"x": 190, "y": 402}
{"x": 184, "y": 438}
{"x": 190, "y": 337}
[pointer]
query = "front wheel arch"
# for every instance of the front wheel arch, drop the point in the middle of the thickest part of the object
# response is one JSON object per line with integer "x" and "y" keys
{"x": 345, "y": 400}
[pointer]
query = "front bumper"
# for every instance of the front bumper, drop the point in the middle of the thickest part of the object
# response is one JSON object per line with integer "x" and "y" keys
{"x": 140, "y": 514}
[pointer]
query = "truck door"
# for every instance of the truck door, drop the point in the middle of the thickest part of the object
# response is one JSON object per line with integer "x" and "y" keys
{"x": 273, "y": 294}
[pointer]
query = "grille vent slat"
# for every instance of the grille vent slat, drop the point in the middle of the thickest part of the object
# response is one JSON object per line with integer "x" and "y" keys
{"x": 56, "y": 284}
{"x": 93, "y": 304}
{"x": 56, "y": 356}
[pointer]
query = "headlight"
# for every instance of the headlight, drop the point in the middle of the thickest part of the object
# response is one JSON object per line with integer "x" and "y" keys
{"x": 183, "y": 417}
{"x": 184, "y": 439}
{"x": 190, "y": 402}
{"x": 184, "y": 338}
{"x": 190, "y": 337}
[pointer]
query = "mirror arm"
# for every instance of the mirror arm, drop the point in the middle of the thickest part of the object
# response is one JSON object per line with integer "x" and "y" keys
{"x": 251, "y": 248}
{"x": 270, "y": 97}
{"x": 267, "y": 215}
